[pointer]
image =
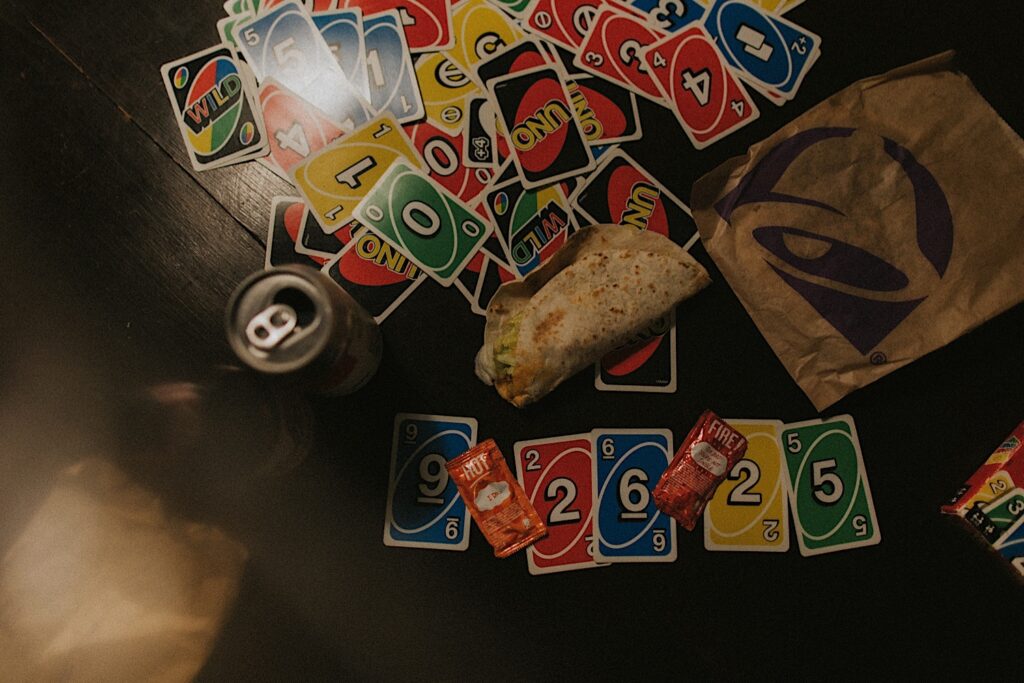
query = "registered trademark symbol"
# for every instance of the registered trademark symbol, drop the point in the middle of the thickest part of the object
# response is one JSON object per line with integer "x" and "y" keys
{"x": 877, "y": 358}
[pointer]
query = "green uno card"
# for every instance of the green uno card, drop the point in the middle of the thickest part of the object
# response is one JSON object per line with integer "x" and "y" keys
{"x": 1006, "y": 509}
{"x": 424, "y": 221}
{"x": 831, "y": 499}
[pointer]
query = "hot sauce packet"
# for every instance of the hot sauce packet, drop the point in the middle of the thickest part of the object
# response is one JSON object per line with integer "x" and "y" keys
{"x": 495, "y": 499}
{"x": 703, "y": 460}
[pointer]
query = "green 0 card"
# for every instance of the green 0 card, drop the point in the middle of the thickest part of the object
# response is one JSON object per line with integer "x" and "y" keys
{"x": 424, "y": 221}
{"x": 831, "y": 499}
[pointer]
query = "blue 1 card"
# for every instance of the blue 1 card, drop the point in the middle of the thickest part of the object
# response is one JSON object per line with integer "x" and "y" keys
{"x": 342, "y": 30}
{"x": 770, "y": 53}
{"x": 627, "y": 525}
{"x": 389, "y": 69}
{"x": 285, "y": 45}
{"x": 424, "y": 507}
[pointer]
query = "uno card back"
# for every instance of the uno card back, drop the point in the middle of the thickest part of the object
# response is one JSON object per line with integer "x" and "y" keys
{"x": 424, "y": 509}
{"x": 627, "y": 525}
{"x": 286, "y": 217}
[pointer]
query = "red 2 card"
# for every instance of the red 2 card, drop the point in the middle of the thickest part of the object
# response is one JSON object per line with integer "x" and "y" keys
{"x": 295, "y": 128}
{"x": 612, "y": 47}
{"x": 707, "y": 99}
{"x": 427, "y": 23}
{"x": 557, "y": 475}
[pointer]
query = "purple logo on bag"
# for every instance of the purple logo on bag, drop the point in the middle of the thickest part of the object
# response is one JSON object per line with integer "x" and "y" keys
{"x": 855, "y": 290}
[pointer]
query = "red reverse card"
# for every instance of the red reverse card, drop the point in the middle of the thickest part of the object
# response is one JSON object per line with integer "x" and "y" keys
{"x": 707, "y": 99}
{"x": 612, "y": 48}
{"x": 557, "y": 475}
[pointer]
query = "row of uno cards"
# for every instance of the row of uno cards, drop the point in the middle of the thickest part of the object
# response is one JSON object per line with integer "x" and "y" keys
{"x": 594, "y": 492}
{"x": 465, "y": 143}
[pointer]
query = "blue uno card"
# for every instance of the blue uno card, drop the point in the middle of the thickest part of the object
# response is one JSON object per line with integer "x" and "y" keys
{"x": 670, "y": 15}
{"x": 389, "y": 69}
{"x": 284, "y": 44}
{"x": 770, "y": 53}
{"x": 342, "y": 30}
{"x": 424, "y": 507}
{"x": 627, "y": 525}
{"x": 1011, "y": 545}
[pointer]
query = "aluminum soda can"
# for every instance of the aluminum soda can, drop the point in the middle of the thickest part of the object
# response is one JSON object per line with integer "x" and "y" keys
{"x": 293, "y": 321}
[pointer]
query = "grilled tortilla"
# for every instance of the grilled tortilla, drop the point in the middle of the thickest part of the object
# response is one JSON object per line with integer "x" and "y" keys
{"x": 608, "y": 283}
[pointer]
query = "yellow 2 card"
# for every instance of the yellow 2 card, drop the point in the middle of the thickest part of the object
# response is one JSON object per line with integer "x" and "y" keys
{"x": 444, "y": 88}
{"x": 750, "y": 508}
{"x": 480, "y": 29}
{"x": 337, "y": 178}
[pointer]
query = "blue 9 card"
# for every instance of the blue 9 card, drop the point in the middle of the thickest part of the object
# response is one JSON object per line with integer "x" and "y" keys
{"x": 627, "y": 525}
{"x": 770, "y": 53}
{"x": 424, "y": 507}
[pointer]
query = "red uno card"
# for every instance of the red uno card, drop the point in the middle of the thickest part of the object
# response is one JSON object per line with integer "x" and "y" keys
{"x": 442, "y": 153}
{"x": 427, "y": 23}
{"x": 612, "y": 48}
{"x": 563, "y": 22}
{"x": 707, "y": 99}
{"x": 557, "y": 476}
{"x": 295, "y": 128}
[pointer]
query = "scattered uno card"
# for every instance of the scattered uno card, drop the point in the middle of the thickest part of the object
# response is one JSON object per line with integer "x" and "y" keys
{"x": 607, "y": 113}
{"x": 375, "y": 274}
{"x": 286, "y": 217}
{"x": 670, "y": 16}
{"x": 557, "y": 475}
{"x": 444, "y": 88}
{"x": 521, "y": 56}
{"x": 992, "y": 519}
{"x": 424, "y": 509}
{"x": 627, "y": 525}
{"x": 493, "y": 275}
{"x": 830, "y": 497}
{"x": 284, "y": 44}
{"x": 314, "y": 241}
{"x": 336, "y": 178}
{"x": 563, "y": 22}
{"x": 646, "y": 364}
{"x": 612, "y": 48}
{"x": 480, "y": 29}
{"x": 770, "y": 53}
{"x": 533, "y": 224}
{"x": 427, "y": 23}
{"x": 546, "y": 138}
{"x": 1011, "y": 546}
{"x": 295, "y": 128}
{"x": 706, "y": 98}
{"x": 389, "y": 68}
{"x": 342, "y": 30}
{"x": 480, "y": 131}
{"x": 442, "y": 154}
{"x": 424, "y": 221}
{"x": 216, "y": 118}
{"x": 750, "y": 510}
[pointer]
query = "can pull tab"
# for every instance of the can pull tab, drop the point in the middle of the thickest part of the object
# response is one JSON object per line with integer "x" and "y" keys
{"x": 271, "y": 326}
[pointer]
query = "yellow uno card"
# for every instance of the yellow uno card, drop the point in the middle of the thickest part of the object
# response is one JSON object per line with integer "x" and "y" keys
{"x": 444, "y": 87}
{"x": 480, "y": 29}
{"x": 336, "y": 178}
{"x": 749, "y": 511}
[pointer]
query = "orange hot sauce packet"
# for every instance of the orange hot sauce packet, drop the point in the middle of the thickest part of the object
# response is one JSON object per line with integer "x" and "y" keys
{"x": 495, "y": 499}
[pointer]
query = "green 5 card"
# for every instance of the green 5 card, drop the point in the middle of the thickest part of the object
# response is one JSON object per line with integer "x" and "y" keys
{"x": 831, "y": 499}
{"x": 424, "y": 221}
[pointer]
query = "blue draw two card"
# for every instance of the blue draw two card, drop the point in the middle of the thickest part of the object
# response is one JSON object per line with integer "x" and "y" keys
{"x": 424, "y": 507}
{"x": 627, "y": 525}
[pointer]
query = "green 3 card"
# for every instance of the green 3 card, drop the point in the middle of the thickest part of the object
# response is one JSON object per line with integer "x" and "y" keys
{"x": 831, "y": 499}
{"x": 424, "y": 221}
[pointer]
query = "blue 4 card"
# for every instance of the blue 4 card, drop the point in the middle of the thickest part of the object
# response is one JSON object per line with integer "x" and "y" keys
{"x": 389, "y": 69}
{"x": 770, "y": 53}
{"x": 670, "y": 15}
{"x": 284, "y": 44}
{"x": 424, "y": 507}
{"x": 627, "y": 525}
{"x": 342, "y": 30}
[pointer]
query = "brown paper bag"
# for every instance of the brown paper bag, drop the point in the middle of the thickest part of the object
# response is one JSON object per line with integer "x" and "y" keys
{"x": 879, "y": 226}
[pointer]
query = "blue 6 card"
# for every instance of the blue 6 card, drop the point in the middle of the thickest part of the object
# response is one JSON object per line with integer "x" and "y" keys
{"x": 389, "y": 69}
{"x": 669, "y": 15}
{"x": 342, "y": 30}
{"x": 424, "y": 507}
{"x": 770, "y": 53}
{"x": 285, "y": 45}
{"x": 627, "y": 525}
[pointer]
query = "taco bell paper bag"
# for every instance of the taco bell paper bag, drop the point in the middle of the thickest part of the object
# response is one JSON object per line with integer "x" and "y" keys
{"x": 879, "y": 226}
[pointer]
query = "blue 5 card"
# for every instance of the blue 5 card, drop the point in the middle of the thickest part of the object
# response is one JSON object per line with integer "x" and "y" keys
{"x": 424, "y": 506}
{"x": 389, "y": 69}
{"x": 770, "y": 53}
{"x": 670, "y": 15}
{"x": 627, "y": 525}
{"x": 342, "y": 30}
{"x": 284, "y": 44}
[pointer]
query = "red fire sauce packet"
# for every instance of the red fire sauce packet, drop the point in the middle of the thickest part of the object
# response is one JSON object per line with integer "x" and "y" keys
{"x": 495, "y": 499}
{"x": 703, "y": 460}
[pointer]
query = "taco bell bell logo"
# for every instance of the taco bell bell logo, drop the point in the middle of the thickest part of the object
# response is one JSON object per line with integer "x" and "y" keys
{"x": 862, "y": 265}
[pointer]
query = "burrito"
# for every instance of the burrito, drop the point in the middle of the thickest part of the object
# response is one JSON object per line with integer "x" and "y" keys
{"x": 607, "y": 284}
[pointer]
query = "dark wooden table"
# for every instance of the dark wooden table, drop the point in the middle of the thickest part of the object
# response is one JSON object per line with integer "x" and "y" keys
{"x": 117, "y": 262}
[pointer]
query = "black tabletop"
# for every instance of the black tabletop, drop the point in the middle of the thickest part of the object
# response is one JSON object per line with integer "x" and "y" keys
{"x": 118, "y": 259}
